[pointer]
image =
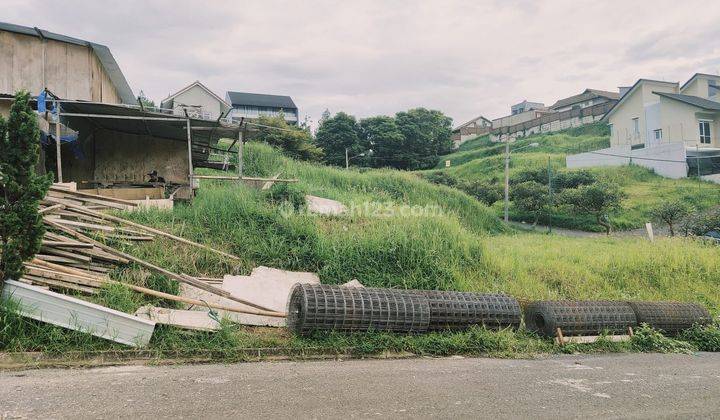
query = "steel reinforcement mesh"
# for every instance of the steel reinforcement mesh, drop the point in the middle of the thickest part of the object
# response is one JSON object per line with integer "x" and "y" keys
{"x": 314, "y": 307}
{"x": 670, "y": 317}
{"x": 460, "y": 310}
{"x": 579, "y": 317}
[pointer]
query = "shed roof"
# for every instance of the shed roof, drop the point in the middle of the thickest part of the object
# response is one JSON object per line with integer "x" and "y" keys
{"x": 102, "y": 52}
{"x": 692, "y": 100}
{"x": 79, "y": 115}
{"x": 260, "y": 99}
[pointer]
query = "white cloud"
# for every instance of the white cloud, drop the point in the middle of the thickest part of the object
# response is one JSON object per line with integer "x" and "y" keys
{"x": 377, "y": 57}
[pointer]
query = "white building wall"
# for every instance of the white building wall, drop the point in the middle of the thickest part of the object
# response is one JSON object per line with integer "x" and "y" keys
{"x": 668, "y": 160}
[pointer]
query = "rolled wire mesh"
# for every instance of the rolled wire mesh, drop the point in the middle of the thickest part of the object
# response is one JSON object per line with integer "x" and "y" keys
{"x": 670, "y": 317}
{"x": 314, "y": 307}
{"x": 460, "y": 310}
{"x": 579, "y": 317}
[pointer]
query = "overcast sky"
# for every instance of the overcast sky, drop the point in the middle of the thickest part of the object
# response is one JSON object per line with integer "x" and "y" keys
{"x": 465, "y": 58}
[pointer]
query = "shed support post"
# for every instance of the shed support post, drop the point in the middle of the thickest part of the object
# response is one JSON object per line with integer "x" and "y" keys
{"x": 190, "y": 164}
{"x": 57, "y": 144}
{"x": 240, "y": 155}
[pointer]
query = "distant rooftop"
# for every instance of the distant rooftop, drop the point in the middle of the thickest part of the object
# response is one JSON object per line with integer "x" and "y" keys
{"x": 259, "y": 99}
{"x": 586, "y": 95}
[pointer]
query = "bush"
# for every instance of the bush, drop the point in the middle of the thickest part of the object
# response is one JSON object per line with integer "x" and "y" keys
{"x": 702, "y": 223}
{"x": 441, "y": 178}
{"x": 531, "y": 197}
{"x": 598, "y": 200}
{"x": 287, "y": 193}
{"x": 705, "y": 338}
{"x": 670, "y": 212}
{"x": 485, "y": 192}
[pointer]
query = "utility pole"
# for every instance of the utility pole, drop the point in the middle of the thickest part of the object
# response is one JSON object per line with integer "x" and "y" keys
{"x": 347, "y": 160}
{"x": 550, "y": 197}
{"x": 507, "y": 178}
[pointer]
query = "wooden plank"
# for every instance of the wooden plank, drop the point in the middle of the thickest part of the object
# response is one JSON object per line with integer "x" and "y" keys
{"x": 155, "y": 231}
{"x": 93, "y": 196}
{"x": 163, "y": 295}
{"x": 51, "y": 208}
{"x": 64, "y": 244}
{"x": 179, "y": 277}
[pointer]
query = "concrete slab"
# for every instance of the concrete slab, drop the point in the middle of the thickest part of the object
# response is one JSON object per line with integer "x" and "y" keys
{"x": 326, "y": 206}
{"x": 353, "y": 283}
{"x": 200, "y": 320}
{"x": 269, "y": 287}
{"x": 193, "y": 292}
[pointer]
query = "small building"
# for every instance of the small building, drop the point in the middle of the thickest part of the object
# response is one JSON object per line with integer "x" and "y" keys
{"x": 35, "y": 59}
{"x": 586, "y": 99}
{"x": 575, "y": 111}
{"x": 668, "y": 127}
{"x": 471, "y": 129}
{"x": 525, "y": 106}
{"x": 254, "y": 105}
{"x": 196, "y": 101}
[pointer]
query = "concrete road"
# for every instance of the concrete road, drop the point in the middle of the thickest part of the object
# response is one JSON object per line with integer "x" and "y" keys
{"x": 632, "y": 385}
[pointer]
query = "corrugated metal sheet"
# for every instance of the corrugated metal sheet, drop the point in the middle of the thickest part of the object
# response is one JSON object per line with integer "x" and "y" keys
{"x": 75, "y": 314}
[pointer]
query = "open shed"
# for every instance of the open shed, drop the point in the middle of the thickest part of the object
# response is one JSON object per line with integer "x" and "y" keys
{"x": 118, "y": 146}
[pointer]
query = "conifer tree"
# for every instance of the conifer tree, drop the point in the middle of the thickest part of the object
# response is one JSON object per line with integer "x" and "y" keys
{"x": 21, "y": 188}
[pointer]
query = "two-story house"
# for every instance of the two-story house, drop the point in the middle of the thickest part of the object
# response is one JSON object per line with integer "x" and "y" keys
{"x": 255, "y": 105}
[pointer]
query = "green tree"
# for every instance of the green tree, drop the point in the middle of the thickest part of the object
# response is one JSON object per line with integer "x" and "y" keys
{"x": 598, "y": 199}
{"x": 293, "y": 141}
{"x": 427, "y": 135}
{"x": 530, "y": 197}
{"x": 337, "y": 133}
{"x": 21, "y": 188}
{"x": 671, "y": 212}
{"x": 382, "y": 135}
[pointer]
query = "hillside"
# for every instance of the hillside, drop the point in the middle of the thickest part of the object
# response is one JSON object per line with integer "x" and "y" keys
{"x": 402, "y": 232}
{"x": 644, "y": 189}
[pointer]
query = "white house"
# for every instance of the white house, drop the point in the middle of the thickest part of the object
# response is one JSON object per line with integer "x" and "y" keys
{"x": 471, "y": 129}
{"x": 196, "y": 101}
{"x": 664, "y": 126}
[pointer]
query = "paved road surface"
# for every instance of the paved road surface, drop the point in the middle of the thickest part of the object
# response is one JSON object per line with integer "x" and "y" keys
{"x": 633, "y": 385}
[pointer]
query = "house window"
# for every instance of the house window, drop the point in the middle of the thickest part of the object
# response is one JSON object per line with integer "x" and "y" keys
{"x": 704, "y": 131}
{"x": 610, "y": 126}
{"x": 658, "y": 134}
{"x": 636, "y": 126}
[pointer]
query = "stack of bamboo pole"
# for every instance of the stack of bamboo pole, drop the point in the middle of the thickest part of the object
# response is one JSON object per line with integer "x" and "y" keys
{"x": 75, "y": 255}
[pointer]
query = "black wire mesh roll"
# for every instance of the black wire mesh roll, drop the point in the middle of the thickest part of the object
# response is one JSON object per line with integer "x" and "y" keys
{"x": 314, "y": 307}
{"x": 460, "y": 310}
{"x": 670, "y": 317}
{"x": 579, "y": 317}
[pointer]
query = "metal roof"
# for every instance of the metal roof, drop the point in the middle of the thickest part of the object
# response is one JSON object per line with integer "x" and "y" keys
{"x": 259, "y": 99}
{"x": 82, "y": 116}
{"x": 102, "y": 52}
{"x": 692, "y": 100}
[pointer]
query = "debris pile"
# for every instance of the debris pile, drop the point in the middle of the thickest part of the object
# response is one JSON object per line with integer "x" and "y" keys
{"x": 75, "y": 258}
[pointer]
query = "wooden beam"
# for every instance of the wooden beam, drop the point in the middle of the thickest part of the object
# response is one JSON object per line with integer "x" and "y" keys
{"x": 152, "y": 230}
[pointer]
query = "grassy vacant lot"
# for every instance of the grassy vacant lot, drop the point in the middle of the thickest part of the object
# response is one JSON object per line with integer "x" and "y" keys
{"x": 401, "y": 232}
{"x": 644, "y": 189}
